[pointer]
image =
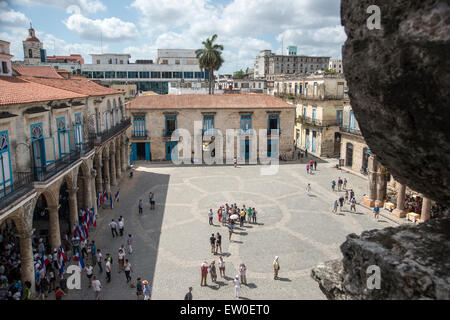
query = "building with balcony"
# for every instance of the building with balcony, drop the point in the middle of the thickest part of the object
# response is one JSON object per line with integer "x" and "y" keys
{"x": 62, "y": 141}
{"x": 155, "y": 118}
{"x": 173, "y": 65}
{"x": 319, "y": 101}
{"x": 232, "y": 85}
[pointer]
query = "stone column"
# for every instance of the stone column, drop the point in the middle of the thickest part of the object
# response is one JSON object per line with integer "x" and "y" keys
{"x": 55, "y": 234}
{"x": 113, "y": 169}
{"x": 123, "y": 158}
{"x": 370, "y": 197}
{"x": 106, "y": 167}
{"x": 400, "y": 212}
{"x": 426, "y": 209}
{"x": 381, "y": 187}
{"x": 26, "y": 258}
{"x": 94, "y": 194}
{"x": 99, "y": 178}
{"x": 118, "y": 165}
{"x": 73, "y": 207}
{"x": 127, "y": 156}
{"x": 87, "y": 191}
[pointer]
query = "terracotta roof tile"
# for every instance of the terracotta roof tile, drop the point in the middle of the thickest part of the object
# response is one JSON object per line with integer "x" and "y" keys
{"x": 200, "y": 101}
{"x": 14, "y": 90}
{"x": 37, "y": 71}
{"x": 82, "y": 86}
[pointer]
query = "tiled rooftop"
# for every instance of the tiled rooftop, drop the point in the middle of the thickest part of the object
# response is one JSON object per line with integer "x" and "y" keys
{"x": 199, "y": 101}
{"x": 37, "y": 71}
{"x": 14, "y": 90}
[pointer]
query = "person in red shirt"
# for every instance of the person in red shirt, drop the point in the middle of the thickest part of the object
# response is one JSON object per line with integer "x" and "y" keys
{"x": 59, "y": 293}
{"x": 204, "y": 270}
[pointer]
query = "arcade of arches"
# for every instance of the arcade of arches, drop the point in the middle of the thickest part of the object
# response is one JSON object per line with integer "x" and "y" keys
{"x": 53, "y": 209}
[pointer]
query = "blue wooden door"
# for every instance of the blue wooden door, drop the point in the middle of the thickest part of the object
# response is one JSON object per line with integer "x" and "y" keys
{"x": 6, "y": 179}
{"x": 133, "y": 156}
{"x": 272, "y": 148}
{"x": 148, "y": 155}
{"x": 314, "y": 142}
{"x": 170, "y": 145}
{"x": 307, "y": 140}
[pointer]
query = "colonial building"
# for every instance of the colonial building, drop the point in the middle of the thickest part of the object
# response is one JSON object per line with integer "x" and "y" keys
{"x": 155, "y": 118}
{"x": 62, "y": 140}
{"x": 336, "y": 64}
{"x": 319, "y": 101}
{"x": 232, "y": 85}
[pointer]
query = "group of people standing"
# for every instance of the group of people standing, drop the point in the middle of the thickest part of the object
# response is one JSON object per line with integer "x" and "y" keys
{"x": 348, "y": 198}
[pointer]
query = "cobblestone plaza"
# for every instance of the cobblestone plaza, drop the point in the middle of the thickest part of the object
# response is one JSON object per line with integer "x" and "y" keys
{"x": 171, "y": 242}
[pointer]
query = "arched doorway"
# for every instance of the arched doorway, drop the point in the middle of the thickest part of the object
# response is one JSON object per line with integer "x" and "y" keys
{"x": 41, "y": 221}
{"x": 349, "y": 154}
{"x": 11, "y": 259}
{"x": 64, "y": 209}
{"x": 81, "y": 191}
{"x": 365, "y": 159}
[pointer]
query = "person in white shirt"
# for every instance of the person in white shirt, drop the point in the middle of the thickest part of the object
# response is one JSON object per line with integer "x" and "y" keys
{"x": 113, "y": 226}
{"x": 89, "y": 272}
{"x": 108, "y": 270}
{"x": 130, "y": 243}
{"x": 121, "y": 225}
{"x": 97, "y": 286}
{"x": 121, "y": 258}
{"x": 127, "y": 268}
{"x": 237, "y": 286}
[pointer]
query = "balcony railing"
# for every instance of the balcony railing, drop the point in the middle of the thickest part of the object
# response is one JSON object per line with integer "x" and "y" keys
{"x": 46, "y": 172}
{"x": 348, "y": 129}
{"x": 22, "y": 184}
{"x": 139, "y": 134}
{"x": 316, "y": 122}
{"x": 269, "y": 131}
{"x": 108, "y": 134}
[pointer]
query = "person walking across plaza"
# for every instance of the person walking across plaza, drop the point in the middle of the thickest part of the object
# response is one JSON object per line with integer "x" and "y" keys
{"x": 218, "y": 243}
{"x": 237, "y": 286}
{"x": 341, "y": 202}
{"x": 249, "y": 215}
{"x": 204, "y": 273}
{"x": 333, "y": 185}
{"x": 339, "y": 184}
{"x": 307, "y": 168}
{"x": 212, "y": 241}
{"x": 210, "y": 217}
{"x": 99, "y": 258}
{"x": 213, "y": 271}
{"x": 121, "y": 259}
{"x": 188, "y": 295}
{"x": 254, "y": 215}
{"x": 152, "y": 201}
{"x": 140, "y": 205}
{"x": 89, "y": 273}
{"x": 139, "y": 288}
{"x": 97, "y": 287}
{"x": 93, "y": 253}
{"x": 230, "y": 231}
{"x": 221, "y": 267}
{"x": 346, "y": 197}
{"x": 127, "y": 268}
{"x": 353, "y": 204}
{"x": 376, "y": 212}
{"x": 345, "y": 183}
{"x": 113, "y": 226}
{"x": 147, "y": 290}
{"x": 243, "y": 273}
{"x": 121, "y": 225}
{"x": 315, "y": 165}
{"x": 75, "y": 245}
{"x": 308, "y": 189}
{"x": 130, "y": 243}
{"x": 335, "y": 206}
{"x": 108, "y": 269}
{"x": 242, "y": 218}
{"x": 276, "y": 268}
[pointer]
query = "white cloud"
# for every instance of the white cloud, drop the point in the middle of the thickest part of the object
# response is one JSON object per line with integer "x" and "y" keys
{"x": 9, "y": 18}
{"x": 110, "y": 29}
{"x": 88, "y": 6}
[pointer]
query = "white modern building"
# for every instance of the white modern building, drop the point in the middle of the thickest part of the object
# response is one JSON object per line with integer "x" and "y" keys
{"x": 173, "y": 65}
{"x": 336, "y": 64}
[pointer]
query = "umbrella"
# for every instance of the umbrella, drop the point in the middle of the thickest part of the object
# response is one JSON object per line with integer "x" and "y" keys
{"x": 234, "y": 217}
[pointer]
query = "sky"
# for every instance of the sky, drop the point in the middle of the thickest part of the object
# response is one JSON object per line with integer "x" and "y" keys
{"x": 140, "y": 27}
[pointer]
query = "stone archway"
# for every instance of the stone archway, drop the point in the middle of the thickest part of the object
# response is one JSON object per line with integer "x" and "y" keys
{"x": 45, "y": 219}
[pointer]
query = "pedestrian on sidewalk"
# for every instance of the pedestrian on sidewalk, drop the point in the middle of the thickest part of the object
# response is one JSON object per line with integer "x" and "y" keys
{"x": 353, "y": 204}
{"x": 254, "y": 215}
{"x": 75, "y": 244}
{"x": 307, "y": 168}
{"x": 210, "y": 216}
{"x": 242, "y": 271}
{"x": 333, "y": 185}
{"x": 315, "y": 165}
{"x": 89, "y": 273}
{"x": 341, "y": 203}
{"x": 376, "y": 211}
{"x": 335, "y": 206}
{"x": 235, "y": 161}
{"x": 345, "y": 183}
{"x": 219, "y": 215}
{"x": 276, "y": 268}
{"x": 352, "y": 194}
{"x": 213, "y": 271}
{"x": 218, "y": 243}
{"x": 130, "y": 243}
{"x": 93, "y": 253}
{"x": 59, "y": 293}
{"x": 139, "y": 289}
{"x": 121, "y": 225}
{"x": 249, "y": 215}
{"x": 212, "y": 242}
{"x": 339, "y": 184}
{"x": 140, "y": 206}
{"x": 97, "y": 286}
{"x": 230, "y": 231}
{"x": 346, "y": 196}
{"x": 147, "y": 290}
{"x": 121, "y": 259}
{"x": 221, "y": 267}
{"x": 204, "y": 273}
{"x": 113, "y": 226}
{"x": 108, "y": 268}
{"x": 152, "y": 201}
{"x": 128, "y": 269}
{"x": 308, "y": 189}
{"x": 237, "y": 286}
{"x": 99, "y": 258}
{"x": 188, "y": 295}
{"x": 83, "y": 245}
{"x": 242, "y": 218}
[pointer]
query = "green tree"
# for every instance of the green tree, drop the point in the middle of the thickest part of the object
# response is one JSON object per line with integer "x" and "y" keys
{"x": 239, "y": 74}
{"x": 210, "y": 58}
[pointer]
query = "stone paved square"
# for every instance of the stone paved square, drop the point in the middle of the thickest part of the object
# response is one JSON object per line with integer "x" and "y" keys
{"x": 172, "y": 241}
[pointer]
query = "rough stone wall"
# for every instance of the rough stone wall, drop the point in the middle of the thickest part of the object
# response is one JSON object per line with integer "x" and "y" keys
{"x": 399, "y": 84}
{"x": 412, "y": 260}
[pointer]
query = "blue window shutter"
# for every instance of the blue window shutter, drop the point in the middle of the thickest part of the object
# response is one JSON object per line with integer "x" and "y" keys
{"x": 134, "y": 151}
{"x": 147, "y": 151}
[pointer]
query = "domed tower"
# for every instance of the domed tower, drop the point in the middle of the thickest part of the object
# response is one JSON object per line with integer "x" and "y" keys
{"x": 33, "y": 49}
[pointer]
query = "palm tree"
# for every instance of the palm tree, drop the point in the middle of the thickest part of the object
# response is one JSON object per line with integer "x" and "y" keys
{"x": 210, "y": 58}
